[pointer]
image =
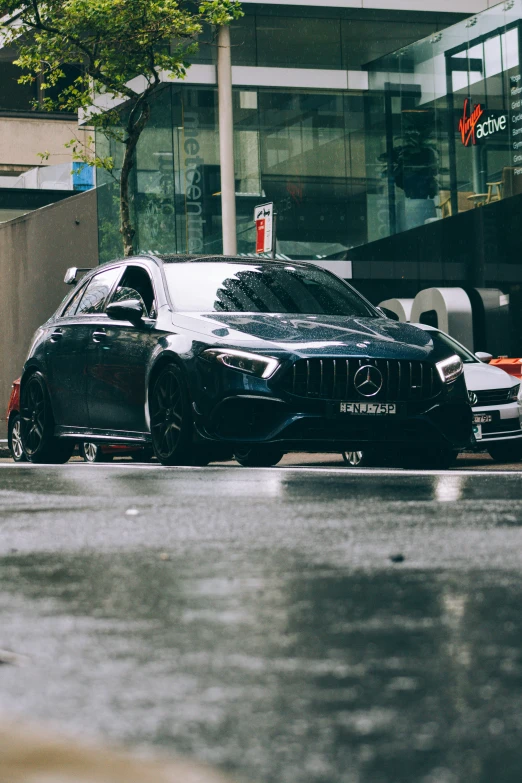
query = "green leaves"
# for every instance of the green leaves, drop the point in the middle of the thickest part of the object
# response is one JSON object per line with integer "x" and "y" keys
{"x": 121, "y": 48}
{"x": 111, "y": 41}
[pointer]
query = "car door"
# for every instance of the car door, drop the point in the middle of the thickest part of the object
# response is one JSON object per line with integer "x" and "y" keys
{"x": 118, "y": 357}
{"x": 66, "y": 351}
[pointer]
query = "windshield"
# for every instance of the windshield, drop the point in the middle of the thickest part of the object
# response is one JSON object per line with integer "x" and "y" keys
{"x": 261, "y": 288}
{"x": 445, "y": 341}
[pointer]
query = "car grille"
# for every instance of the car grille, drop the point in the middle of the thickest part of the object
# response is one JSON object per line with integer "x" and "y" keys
{"x": 493, "y": 397}
{"x": 333, "y": 379}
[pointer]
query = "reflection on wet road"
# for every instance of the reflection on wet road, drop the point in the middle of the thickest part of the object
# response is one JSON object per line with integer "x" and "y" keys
{"x": 255, "y": 619}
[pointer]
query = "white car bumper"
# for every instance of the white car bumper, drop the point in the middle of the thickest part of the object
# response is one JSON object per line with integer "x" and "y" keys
{"x": 505, "y": 424}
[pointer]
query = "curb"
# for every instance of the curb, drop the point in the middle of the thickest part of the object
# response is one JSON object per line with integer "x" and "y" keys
{"x": 4, "y": 450}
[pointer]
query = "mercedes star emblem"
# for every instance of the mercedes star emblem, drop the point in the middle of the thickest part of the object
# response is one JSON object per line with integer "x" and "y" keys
{"x": 368, "y": 380}
{"x": 473, "y": 399}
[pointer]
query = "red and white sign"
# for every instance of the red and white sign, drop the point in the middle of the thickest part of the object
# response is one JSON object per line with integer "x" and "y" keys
{"x": 471, "y": 129}
{"x": 264, "y": 218}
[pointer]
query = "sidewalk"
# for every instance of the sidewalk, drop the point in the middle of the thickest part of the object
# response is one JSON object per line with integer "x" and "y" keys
{"x": 4, "y": 451}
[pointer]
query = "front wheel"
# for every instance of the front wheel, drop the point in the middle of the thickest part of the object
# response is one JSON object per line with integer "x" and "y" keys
{"x": 37, "y": 425}
{"x": 170, "y": 418}
{"x": 258, "y": 456}
{"x": 14, "y": 439}
{"x": 506, "y": 452}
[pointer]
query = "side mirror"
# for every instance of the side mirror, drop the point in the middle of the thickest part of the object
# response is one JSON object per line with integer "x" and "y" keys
{"x": 70, "y": 276}
{"x": 128, "y": 310}
{"x": 484, "y": 357}
{"x": 74, "y": 273}
{"x": 388, "y": 313}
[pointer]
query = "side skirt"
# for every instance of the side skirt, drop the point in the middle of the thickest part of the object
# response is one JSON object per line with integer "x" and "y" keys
{"x": 102, "y": 436}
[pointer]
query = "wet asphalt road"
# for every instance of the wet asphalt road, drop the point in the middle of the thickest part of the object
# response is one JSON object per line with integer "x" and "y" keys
{"x": 289, "y": 625}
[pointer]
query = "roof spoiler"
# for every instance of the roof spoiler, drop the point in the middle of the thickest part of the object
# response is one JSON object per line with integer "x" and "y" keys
{"x": 74, "y": 273}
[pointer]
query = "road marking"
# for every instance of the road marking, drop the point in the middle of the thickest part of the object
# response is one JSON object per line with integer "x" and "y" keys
{"x": 285, "y": 468}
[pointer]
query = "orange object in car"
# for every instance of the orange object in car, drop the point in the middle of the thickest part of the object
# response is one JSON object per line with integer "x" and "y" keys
{"x": 511, "y": 366}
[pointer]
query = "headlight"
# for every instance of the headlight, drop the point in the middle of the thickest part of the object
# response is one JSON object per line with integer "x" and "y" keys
{"x": 251, "y": 363}
{"x": 514, "y": 393}
{"x": 450, "y": 369}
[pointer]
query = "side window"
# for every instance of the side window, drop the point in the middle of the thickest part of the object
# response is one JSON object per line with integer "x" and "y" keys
{"x": 71, "y": 307}
{"x": 97, "y": 291}
{"x": 136, "y": 284}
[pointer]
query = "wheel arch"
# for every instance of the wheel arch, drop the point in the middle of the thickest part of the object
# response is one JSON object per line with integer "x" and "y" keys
{"x": 164, "y": 359}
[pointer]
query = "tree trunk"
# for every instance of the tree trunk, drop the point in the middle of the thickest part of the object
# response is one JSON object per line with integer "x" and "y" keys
{"x": 134, "y": 131}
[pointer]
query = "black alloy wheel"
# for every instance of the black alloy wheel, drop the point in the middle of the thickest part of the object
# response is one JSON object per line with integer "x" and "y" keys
{"x": 92, "y": 452}
{"x": 258, "y": 456}
{"x": 14, "y": 439}
{"x": 37, "y": 425}
{"x": 171, "y": 423}
{"x": 506, "y": 452}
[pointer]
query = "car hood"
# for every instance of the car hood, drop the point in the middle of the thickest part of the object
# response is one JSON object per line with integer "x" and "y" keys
{"x": 309, "y": 334}
{"x": 481, "y": 377}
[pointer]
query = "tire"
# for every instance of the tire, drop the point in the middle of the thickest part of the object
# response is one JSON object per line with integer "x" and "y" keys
{"x": 171, "y": 422}
{"x": 362, "y": 459}
{"x": 430, "y": 459}
{"x": 258, "y": 456}
{"x": 14, "y": 439}
{"x": 37, "y": 425}
{"x": 506, "y": 452}
{"x": 92, "y": 452}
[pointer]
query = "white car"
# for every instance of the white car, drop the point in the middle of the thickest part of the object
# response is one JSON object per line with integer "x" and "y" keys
{"x": 495, "y": 397}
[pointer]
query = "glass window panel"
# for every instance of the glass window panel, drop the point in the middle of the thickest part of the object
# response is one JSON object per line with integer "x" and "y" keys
{"x": 14, "y": 96}
{"x": 476, "y": 64}
{"x": 295, "y": 42}
{"x": 361, "y": 45}
{"x": 97, "y": 291}
{"x": 510, "y": 49}
{"x": 493, "y": 56}
{"x": 243, "y": 41}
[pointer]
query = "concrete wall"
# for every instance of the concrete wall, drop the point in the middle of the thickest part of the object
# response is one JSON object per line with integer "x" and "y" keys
{"x": 21, "y": 139}
{"x": 35, "y": 251}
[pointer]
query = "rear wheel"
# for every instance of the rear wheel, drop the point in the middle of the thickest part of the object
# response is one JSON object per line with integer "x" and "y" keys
{"x": 37, "y": 425}
{"x": 258, "y": 456}
{"x": 171, "y": 423}
{"x": 92, "y": 452}
{"x": 14, "y": 439}
{"x": 362, "y": 459}
{"x": 506, "y": 452}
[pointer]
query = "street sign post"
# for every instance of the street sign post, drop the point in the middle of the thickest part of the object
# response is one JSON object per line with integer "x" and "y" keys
{"x": 265, "y": 235}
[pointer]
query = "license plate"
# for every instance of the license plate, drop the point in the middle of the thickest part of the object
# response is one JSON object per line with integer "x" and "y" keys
{"x": 477, "y": 431}
{"x": 482, "y": 418}
{"x": 368, "y": 408}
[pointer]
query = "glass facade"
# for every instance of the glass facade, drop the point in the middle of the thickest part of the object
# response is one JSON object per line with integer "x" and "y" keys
{"x": 444, "y": 123}
{"x": 318, "y": 37}
{"x": 303, "y": 149}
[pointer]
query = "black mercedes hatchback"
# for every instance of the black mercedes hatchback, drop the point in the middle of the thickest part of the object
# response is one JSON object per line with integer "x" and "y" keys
{"x": 209, "y": 357}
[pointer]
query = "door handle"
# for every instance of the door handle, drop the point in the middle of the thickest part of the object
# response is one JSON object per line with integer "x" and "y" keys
{"x": 56, "y": 335}
{"x": 99, "y": 337}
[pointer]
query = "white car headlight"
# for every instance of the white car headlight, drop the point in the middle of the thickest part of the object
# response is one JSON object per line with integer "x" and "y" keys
{"x": 251, "y": 363}
{"x": 450, "y": 369}
{"x": 514, "y": 393}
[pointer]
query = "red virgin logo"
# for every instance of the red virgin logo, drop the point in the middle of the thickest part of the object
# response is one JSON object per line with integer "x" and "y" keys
{"x": 468, "y": 122}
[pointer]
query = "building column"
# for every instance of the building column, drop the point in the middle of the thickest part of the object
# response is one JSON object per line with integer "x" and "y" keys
{"x": 226, "y": 142}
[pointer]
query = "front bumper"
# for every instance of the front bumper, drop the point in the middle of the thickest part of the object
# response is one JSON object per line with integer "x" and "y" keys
{"x": 240, "y": 409}
{"x": 505, "y": 425}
